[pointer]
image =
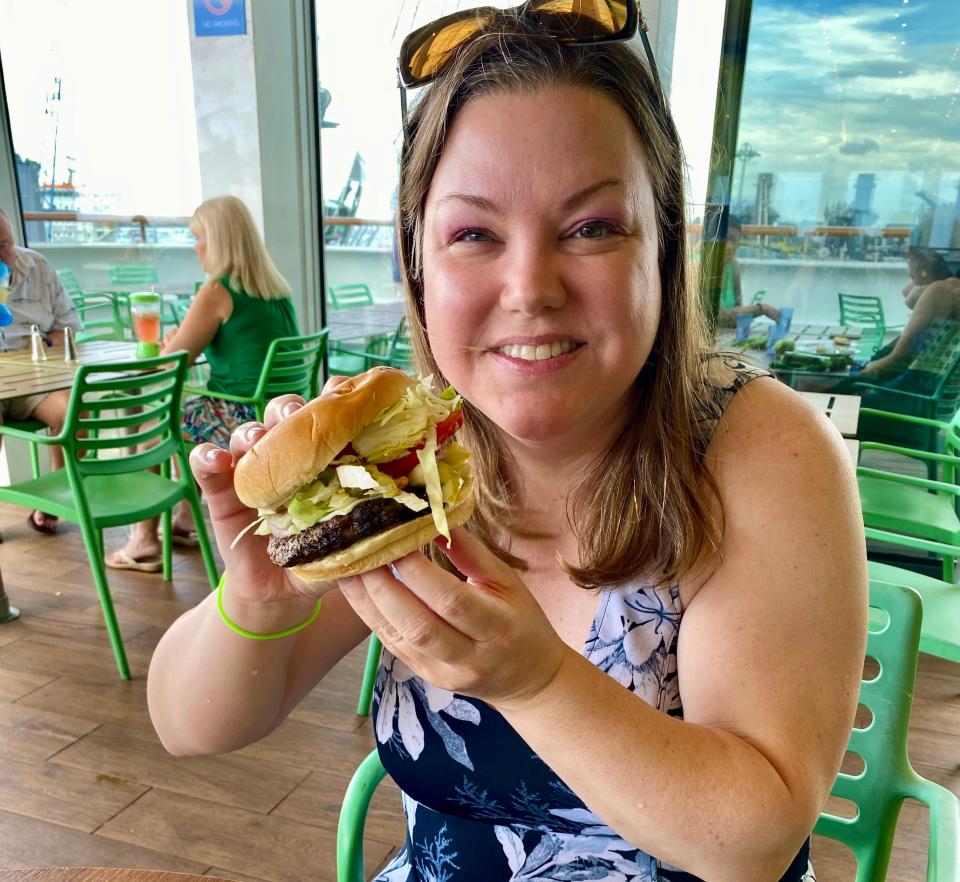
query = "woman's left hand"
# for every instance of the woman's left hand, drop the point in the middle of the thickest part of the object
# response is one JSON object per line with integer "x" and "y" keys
{"x": 487, "y": 637}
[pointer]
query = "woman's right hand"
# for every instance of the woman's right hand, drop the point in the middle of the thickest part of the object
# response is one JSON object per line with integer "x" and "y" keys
{"x": 253, "y": 577}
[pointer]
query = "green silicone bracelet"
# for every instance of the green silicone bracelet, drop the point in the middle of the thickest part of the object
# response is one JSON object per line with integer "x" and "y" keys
{"x": 252, "y": 635}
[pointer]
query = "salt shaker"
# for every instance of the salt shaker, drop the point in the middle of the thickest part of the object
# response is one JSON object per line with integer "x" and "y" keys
{"x": 69, "y": 345}
{"x": 37, "y": 350}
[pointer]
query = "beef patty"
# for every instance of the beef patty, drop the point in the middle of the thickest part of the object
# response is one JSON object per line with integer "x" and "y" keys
{"x": 342, "y": 531}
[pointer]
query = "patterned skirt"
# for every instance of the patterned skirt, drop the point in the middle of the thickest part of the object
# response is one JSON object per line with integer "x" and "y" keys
{"x": 213, "y": 419}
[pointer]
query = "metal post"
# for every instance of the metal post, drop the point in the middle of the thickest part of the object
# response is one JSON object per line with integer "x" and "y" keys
{"x": 7, "y": 613}
{"x": 726, "y": 124}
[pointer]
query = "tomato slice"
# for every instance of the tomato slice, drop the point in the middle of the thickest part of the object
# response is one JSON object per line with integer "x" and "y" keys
{"x": 408, "y": 462}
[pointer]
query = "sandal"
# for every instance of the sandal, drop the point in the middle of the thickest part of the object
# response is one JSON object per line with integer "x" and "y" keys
{"x": 122, "y": 560}
{"x": 186, "y": 540}
{"x": 48, "y": 523}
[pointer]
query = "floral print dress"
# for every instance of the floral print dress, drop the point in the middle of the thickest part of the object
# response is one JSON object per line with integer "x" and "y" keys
{"x": 480, "y": 805}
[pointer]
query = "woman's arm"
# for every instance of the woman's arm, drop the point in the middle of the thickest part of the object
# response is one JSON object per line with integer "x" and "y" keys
{"x": 769, "y": 659}
{"x": 212, "y": 690}
{"x": 903, "y": 352}
{"x": 210, "y": 308}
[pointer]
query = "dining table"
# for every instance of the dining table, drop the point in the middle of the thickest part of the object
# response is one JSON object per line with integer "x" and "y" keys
{"x": 360, "y": 322}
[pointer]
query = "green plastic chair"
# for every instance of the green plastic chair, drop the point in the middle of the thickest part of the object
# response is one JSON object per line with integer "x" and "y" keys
{"x": 757, "y": 298}
{"x": 292, "y": 364}
{"x": 878, "y": 791}
{"x": 99, "y": 316}
{"x": 130, "y": 274}
{"x": 936, "y": 368}
{"x": 866, "y": 311}
{"x": 365, "y": 701}
{"x": 392, "y": 350}
{"x": 887, "y": 777}
{"x": 96, "y": 490}
{"x": 348, "y": 296}
{"x": 913, "y": 507}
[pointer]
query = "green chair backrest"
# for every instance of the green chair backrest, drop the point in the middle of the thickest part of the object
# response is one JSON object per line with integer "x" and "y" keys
{"x": 128, "y": 274}
{"x": 98, "y": 315}
{"x": 346, "y": 296}
{"x": 108, "y": 413}
{"x": 866, "y": 311}
{"x": 70, "y": 284}
{"x": 757, "y": 298}
{"x": 940, "y": 357}
{"x": 292, "y": 364}
{"x": 178, "y": 310}
{"x": 401, "y": 348}
{"x": 888, "y": 778}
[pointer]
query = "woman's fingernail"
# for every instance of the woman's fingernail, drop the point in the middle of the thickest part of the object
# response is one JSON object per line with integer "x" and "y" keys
{"x": 250, "y": 435}
{"x": 211, "y": 454}
{"x": 289, "y": 408}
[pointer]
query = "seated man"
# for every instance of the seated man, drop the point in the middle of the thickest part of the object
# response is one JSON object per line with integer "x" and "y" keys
{"x": 36, "y": 298}
{"x": 731, "y": 293}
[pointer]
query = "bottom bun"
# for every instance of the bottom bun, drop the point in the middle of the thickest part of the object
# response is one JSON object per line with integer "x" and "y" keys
{"x": 381, "y": 548}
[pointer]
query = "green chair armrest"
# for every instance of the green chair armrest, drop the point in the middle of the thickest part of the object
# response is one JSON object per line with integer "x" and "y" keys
{"x": 353, "y": 815}
{"x": 32, "y": 437}
{"x": 226, "y": 396}
{"x": 928, "y": 545}
{"x": 902, "y": 418}
{"x": 945, "y": 458}
{"x": 943, "y": 857}
{"x": 889, "y": 391}
{"x": 909, "y": 481}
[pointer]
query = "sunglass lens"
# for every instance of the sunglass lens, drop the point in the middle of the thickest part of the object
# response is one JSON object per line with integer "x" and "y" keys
{"x": 577, "y": 20}
{"x": 423, "y": 58}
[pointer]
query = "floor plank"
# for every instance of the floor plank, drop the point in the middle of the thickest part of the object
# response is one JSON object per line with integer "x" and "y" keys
{"x": 27, "y": 842}
{"x": 78, "y": 798}
{"x": 266, "y": 847}
{"x": 137, "y": 755}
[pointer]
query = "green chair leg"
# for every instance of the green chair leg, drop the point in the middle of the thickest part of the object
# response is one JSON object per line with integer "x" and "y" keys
{"x": 93, "y": 539}
{"x": 353, "y": 816}
{"x": 166, "y": 541}
{"x": 193, "y": 500}
{"x": 35, "y": 460}
{"x": 369, "y": 676}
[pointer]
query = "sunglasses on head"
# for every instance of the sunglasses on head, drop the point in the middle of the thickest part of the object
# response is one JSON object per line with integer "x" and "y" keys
{"x": 428, "y": 51}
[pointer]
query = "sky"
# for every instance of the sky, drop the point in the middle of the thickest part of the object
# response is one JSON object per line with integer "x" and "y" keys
{"x": 834, "y": 88}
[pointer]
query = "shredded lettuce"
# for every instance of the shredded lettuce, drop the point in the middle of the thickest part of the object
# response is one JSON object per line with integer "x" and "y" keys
{"x": 401, "y": 426}
{"x": 428, "y": 462}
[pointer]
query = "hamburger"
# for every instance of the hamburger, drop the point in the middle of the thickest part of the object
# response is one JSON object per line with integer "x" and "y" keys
{"x": 358, "y": 477}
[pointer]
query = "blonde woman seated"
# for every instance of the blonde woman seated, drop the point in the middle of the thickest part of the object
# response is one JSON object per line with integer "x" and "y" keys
{"x": 244, "y": 305}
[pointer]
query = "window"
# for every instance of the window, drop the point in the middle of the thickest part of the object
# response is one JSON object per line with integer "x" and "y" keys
{"x": 848, "y": 151}
{"x": 125, "y": 115}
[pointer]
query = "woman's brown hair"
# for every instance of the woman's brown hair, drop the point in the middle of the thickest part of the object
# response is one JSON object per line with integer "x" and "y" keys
{"x": 646, "y": 506}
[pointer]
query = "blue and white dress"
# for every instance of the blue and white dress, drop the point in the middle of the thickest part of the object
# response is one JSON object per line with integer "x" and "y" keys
{"x": 480, "y": 805}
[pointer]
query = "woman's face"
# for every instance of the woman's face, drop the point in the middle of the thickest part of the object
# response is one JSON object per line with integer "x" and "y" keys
{"x": 541, "y": 282}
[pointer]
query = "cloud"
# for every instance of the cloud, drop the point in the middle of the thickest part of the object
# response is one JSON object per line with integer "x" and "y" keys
{"x": 848, "y": 91}
{"x": 858, "y": 148}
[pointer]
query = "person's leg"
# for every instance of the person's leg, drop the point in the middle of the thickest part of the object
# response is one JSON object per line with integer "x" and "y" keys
{"x": 51, "y": 410}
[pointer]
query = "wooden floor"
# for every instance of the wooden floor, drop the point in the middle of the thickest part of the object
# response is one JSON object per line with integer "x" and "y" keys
{"x": 85, "y": 782}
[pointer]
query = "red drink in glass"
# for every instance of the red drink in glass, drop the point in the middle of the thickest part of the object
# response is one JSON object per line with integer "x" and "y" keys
{"x": 146, "y": 326}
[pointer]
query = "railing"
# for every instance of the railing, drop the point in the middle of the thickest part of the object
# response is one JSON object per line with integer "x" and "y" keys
{"x": 143, "y": 221}
{"x": 371, "y": 232}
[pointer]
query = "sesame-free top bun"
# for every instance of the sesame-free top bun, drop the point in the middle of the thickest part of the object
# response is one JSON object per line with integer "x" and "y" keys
{"x": 297, "y": 449}
{"x": 386, "y": 546}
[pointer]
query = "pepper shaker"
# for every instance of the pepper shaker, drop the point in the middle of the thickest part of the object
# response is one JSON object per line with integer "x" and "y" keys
{"x": 37, "y": 350}
{"x": 69, "y": 345}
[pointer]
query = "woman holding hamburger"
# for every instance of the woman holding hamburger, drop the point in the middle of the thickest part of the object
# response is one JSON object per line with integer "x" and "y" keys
{"x": 630, "y": 663}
